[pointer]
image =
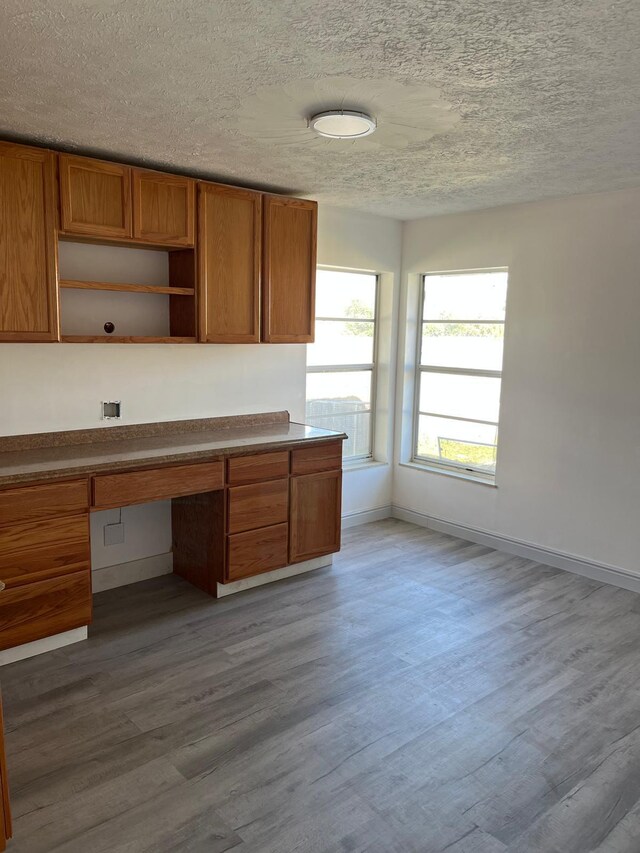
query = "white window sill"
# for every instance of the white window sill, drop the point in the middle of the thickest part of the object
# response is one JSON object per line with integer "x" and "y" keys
{"x": 446, "y": 472}
{"x": 362, "y": 464}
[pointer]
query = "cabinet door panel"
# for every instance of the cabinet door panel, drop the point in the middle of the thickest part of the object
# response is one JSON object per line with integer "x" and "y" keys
{"x": 44, "y": 608}
{"x": 28, "y": 297}
{"x": 314, "y": 528}
{"x": 95, "y": 197}
{"x": 229, "y": 247}
{"x": 163, "y": 208}
{"x": 288, "y": 308}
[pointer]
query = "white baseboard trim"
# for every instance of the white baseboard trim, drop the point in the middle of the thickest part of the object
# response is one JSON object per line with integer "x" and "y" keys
{"x": 353, "y": 519}
{"x": 559, "y": 560}
{"x": 224, "y": 589}
{"x": 122, "y": 574}
{"x": 39, "y": 647}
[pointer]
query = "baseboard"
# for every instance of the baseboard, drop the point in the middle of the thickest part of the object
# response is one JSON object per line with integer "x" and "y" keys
{"x": 122, "y": 574}
{"x": 39, "y": 647}
{"x": 559, "y": 560}
{"x": 224, "y": 589}
{"x": 353, "y": 519}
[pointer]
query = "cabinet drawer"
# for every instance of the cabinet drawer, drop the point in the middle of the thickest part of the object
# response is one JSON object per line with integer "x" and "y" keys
{"x": 322, "y": 457}
{"x": 253, "y": 469}
{"x": 41, "y": 549}
{"x": 31, "y": 502}
{"x": 257, "y": 506}
{"x": 155, "y": 484}
{"x": 256, "y": 551}
{"x": 36, "y": 610}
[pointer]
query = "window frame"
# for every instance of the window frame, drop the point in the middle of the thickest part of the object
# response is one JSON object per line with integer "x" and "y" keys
{"x": 356, "y": 368}
{"x": 452, "y": 468}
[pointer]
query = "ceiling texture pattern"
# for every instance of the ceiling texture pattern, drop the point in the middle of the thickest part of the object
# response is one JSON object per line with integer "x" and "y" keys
{"x": 479, "y": 102}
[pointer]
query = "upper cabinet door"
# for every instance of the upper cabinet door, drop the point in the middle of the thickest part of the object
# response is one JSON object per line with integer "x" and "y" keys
{"x": 28, "y": 297}
{"x": 229, "y": 253}
{"x": 289, "y": 271}
{"x": 95, "y": 197}
{"x": 163, "y": 208}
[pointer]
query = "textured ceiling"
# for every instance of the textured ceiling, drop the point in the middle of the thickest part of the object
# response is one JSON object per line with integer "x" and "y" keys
{"x": 479, "y": 102}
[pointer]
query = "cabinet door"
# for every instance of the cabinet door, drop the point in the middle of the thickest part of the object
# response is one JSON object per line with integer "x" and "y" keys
{"x": 289, "y": 271}
{"x": 95, "y": 197}
{"x": 163, "y": 208}
{"x": 5, "y": 811}
{"x": 314, "y": 525}
{"x": 28, "y": 297}
{"x": 229, "y": 247}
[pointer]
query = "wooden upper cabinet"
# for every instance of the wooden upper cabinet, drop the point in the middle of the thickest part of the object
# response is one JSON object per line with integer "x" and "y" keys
{"x": 289, "y": 270}
{"x": 28, "y": 296}
{"x": 229, "y": 253}
{"x": 163, "y": 208}
{"x": 95, "y": 197}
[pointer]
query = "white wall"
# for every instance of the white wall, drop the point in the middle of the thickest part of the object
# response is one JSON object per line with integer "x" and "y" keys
{"x": 568, "y": 476}
{"x": 352, "y": 240}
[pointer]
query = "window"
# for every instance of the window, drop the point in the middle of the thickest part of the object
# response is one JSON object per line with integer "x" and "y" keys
{"x": 341, "y": 362}
{"x": 460, "y": 370}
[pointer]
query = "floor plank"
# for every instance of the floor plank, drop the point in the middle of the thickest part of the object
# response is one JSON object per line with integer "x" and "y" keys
{"x": 424, "y": 694}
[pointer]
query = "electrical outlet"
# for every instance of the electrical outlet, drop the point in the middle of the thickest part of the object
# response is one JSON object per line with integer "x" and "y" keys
{"x": 114, "y": 533}
{"x": 111, "y": 410}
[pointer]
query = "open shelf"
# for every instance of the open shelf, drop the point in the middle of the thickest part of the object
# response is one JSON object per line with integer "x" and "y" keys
{"x": 125, "y": 339}
{"x": 98, "y": 293}
{"x": 74, "y": 284}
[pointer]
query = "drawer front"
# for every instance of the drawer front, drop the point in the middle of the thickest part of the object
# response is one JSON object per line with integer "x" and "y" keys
{"x": 254, "y": 469}
{"x": 32, "y": 502}
{"x": 322, "y": 457}
{"x": 257, "y": 506}
{"x": 36, "y": 610}
{"x": 155, "y": 484}
{"x": 256, "y": 551}
{"x": 42, "y": 549}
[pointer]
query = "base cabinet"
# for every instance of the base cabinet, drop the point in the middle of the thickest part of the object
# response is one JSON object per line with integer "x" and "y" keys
{"x": 314, "y": 528}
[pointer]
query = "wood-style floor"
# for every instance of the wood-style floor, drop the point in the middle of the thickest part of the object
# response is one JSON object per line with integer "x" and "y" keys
{"x": 425, "y": 694}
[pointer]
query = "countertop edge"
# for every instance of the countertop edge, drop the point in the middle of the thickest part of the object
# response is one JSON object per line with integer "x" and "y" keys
{"x": 162, "y": 461}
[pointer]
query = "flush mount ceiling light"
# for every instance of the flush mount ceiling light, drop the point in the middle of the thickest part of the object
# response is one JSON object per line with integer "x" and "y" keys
{"x": 342, "y": 124}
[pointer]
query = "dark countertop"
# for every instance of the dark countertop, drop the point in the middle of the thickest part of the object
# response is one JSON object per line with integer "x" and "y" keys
{"x": 61, "y": 455}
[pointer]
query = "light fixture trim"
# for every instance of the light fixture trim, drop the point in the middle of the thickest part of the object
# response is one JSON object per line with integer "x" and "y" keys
{"x": 342, "y": 124}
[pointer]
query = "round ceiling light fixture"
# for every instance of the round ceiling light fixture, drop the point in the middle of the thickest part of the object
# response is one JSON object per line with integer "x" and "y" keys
{"x": 342, "y": 124}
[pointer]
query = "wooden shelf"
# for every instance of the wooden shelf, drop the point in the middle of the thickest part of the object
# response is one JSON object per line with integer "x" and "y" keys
{"x": 73, "y": 284}
{"x": 122, "y": 339}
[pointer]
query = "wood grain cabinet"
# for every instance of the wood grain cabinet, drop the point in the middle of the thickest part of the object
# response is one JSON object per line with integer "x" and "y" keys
{"x": 28, "y": 288}
{"x": 5, "y": 810}
{"x": 289, "y": 270}
{"x": 44, "y": 561}
{"x": 230, "y": 253}
{"x": 163, "y": 208}
{"x": 95, "y": 197}
{"x": 314, "y": 521}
